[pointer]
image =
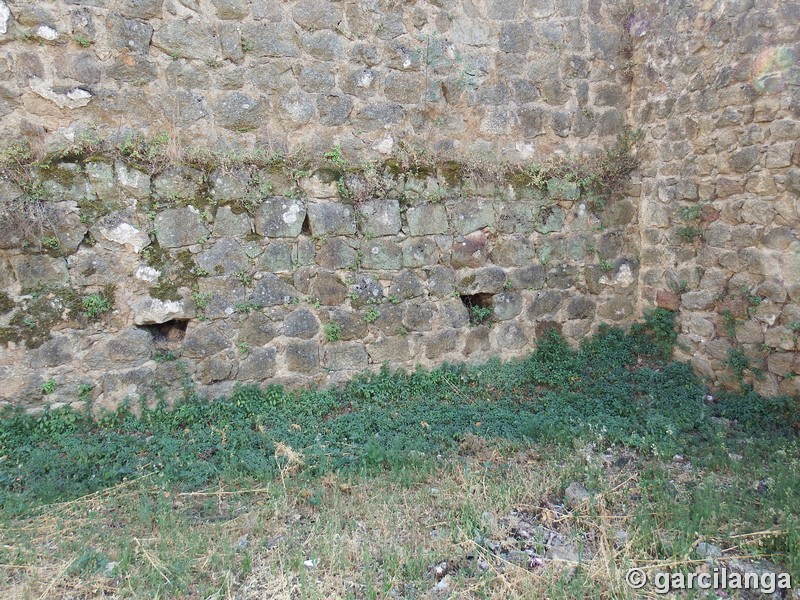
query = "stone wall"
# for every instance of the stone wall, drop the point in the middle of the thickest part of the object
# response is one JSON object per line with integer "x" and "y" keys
{"x": 525, "y": 77}
{"x": 207, "y": 281}
{"x": 717, "y": 94}
{"x": 184, "y": 228}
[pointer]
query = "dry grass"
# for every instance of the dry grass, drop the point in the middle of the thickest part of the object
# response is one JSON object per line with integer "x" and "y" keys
{"x": 448, "y": 530}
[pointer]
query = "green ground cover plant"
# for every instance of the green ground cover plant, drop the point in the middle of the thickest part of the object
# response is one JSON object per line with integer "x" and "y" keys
{"x": 200, "y": 494}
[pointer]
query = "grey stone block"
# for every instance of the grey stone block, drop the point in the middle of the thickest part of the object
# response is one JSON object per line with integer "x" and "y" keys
{"x": 507, "y": 305}
{"x": 277, "y": 257}
{"x": 238, "y": 112}
{"x": 467, "y": 216}
{"x": 441, "y": 343}
{"x": 419, "y": 317}
{"x": 390, "y": 349}
{"x": 545, "y": 303}
{"x": 128, "y": 348}
{"x": 379, "y": 217}
{"x": 419, "y": 252}
{"x": 328, "y": 289}
{"x": 441, "y": 281}
{"x": 272, "y": 291}
{"x": 176, "y": 227}
{"x": 203, "y": 339}
{"x": 328, "y": 218}
{"x": 229, "y": 224}
{"x": 405, "y": 286}
{"x": 365, "y": 290}
{"x": 301, "y": 324}
{"x": 274, "y": 40}
{"x": 226, "y": 256}
{"x": 280, "y": 217}
{"x": 231, "y": 9}
{"x": 37, "y": 271}
{"x": 346, "y": 356}
{"x": 488, "y": 280}
{"x": 513, "y": 251}
{"x": 258, "y": 365}
{"x": 303, "y": 357}
{"x": 336, "y": 253}
{"x": 313, "y": 15}
{"x": 427, "y": 219}
{"x": 382, "y": 255}
{"x": 187, "y": 40}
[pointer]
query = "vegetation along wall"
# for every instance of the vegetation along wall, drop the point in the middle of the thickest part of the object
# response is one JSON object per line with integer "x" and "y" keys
{"x": 198, "y": 193}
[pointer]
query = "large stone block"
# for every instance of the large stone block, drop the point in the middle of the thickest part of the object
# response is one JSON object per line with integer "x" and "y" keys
{"x": 280, "y": 217}
{"x": 220, "y": 296}
{"x": 178, "y": 183}
{"x": 323, "y": 45}
{"x": 133, "y": 182}
{"x": 420, "y": 252}
{"x": 329, "y": 218}
{"x": 745, "y": 159}
{"x": 526, "y": 278}
{"x": 470, "y": 251}
{"x": 405, "y": 286}
{"x": 419, "y": 317}
{"x": 303, "y": 357}
{"x": 545, "y": 303}
{"x": 141, "y": 9}
{"x": 351, "y": 325}
{"x": 467, "y": 216}
{"x": 130, "y": 34}
{"x": 58, "y": 350}
{"x": 187, "y": 40}
{"x": 176, "y": 227}
{"x": 513, "y": 251}
{"x": 382, "y": 255}
{"x": 514, "y": 217}
{"x": 203, "y": 339}
{"x": 313, "y": 15}
{"x": 477, "y": 341}
{"x": 392, "y": 350}
{"x": 427, "y": 219}
{"x": 328, "y": 289}
{"x": 258, "y": 365}
{"x": 231, "y": 9}
{"x": 152, "y": 311}
{"x": 38, "y": 271}
{"x": 507, "y": 305}
{"x": 365, "y": 290}
{"x": 300, "y": 324}
{"x": 226, "y": 256}
{"x": 238, "y": 112}
{"x": 274, "y": 40}
{"x": 509, "y": 335}
{"x": 379, "y": 217}
{"x": 271, "y": 290}
{"x": 488, "y": 280}
{"x": 441, "y": 282}
{"x": 257, "y": 329}
{"x": 441, "y": 343}
{"x": 126, "y": 349}
{"x": 230, "y": 224}
{"x": 277, "y": 257}
{"x": 336, "y": 253}
{"x": 346, "y": 356}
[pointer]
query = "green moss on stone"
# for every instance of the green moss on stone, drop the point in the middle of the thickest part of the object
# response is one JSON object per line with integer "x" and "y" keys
{"x": 36, "y": 318}
{"x": 453, "y": 172}
{"x": 6, "y": 303}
